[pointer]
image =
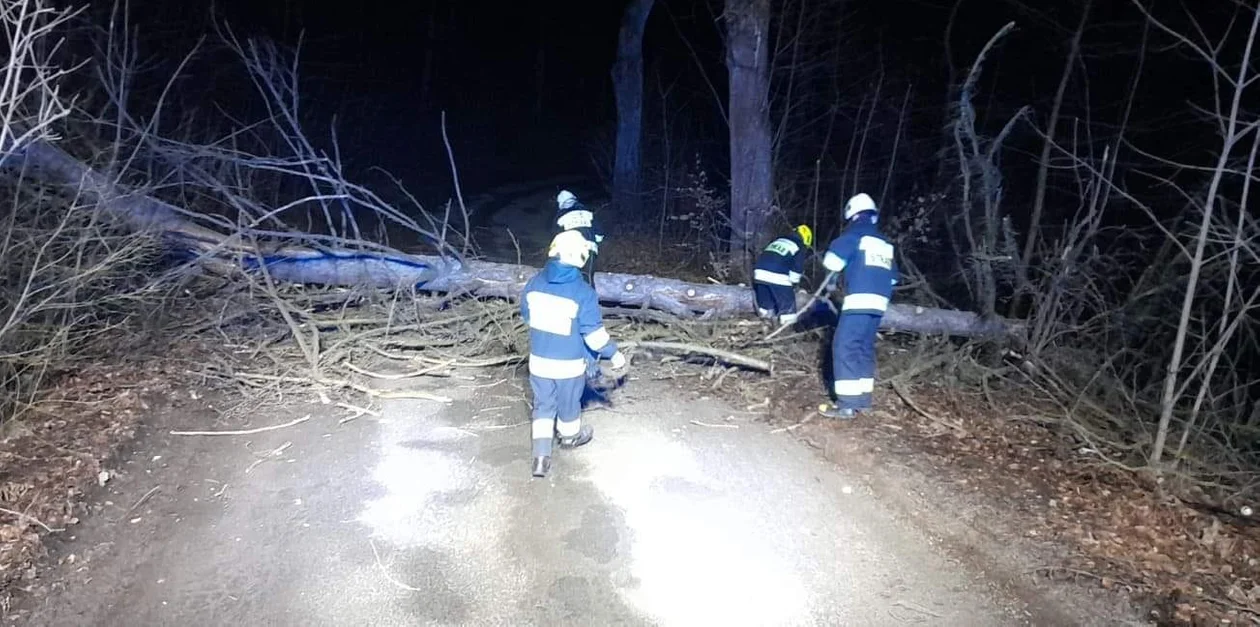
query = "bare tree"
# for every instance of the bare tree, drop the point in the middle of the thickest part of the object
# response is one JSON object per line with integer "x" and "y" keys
{"x": 985, "y": 226}
{"x": 751, "y": 134}
{"x": 70, "y": 277}
{"x": 1043, "y": 165}
{"x": 627, "y": 75}
{"x": 1233, "y": 127}
{"x": 31, "y": 102}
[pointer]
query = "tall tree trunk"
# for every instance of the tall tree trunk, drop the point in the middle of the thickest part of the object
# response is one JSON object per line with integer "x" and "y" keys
{"x": 1043, "y": 167}
{"x": 627, "y": 75}
{"x": 752, "y": 173}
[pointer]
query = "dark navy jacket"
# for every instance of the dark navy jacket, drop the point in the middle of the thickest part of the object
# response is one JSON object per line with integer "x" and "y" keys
{"x": 869, "y": 265}
{"x": 562, "y": 311}
{"x": 580, "y": 218}
{"x": 781, "y": 262}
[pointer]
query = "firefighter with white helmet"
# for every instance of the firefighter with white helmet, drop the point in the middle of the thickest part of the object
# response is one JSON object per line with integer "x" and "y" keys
{"x": 572, "y": 215}
{"x": 868, "y": 262}
{"x": 565, "y": 328}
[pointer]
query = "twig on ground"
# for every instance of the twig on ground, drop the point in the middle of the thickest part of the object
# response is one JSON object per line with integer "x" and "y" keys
{"x": 718, "y": 354}
{"x": 29, "y": 518}
{"x": 141, "y": 501}
{"x": 361, "y": 410}
{"x": 405, "y": 394}
{"x": 354, "y": 416}
{"x": 715, "y": 426}
{"x": 245, "y": 376}
{"x": 391, "y": 376}
{"x": 897, "y": 387}
{"x": 385, "y": 571}
{"x": 802, "y": 422}
{"x": 1231, "y": 605}
{"x": 272, "y": 454}
{"x": 246, "y": 431}
{"x": 916, "y": 608}
{"x": 722, "y": 377}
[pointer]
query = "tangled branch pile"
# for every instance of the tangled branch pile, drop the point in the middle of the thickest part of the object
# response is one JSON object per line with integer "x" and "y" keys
{"x": 69, "y": 277}
{"x": 373, "y": 344}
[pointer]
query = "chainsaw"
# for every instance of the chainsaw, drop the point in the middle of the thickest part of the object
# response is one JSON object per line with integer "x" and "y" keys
{"x": 600, "y": 383}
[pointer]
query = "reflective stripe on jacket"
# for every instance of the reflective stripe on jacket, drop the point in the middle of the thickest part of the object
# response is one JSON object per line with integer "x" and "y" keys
{"x": 565, "y": 322}
{"x": 869, "y": 264}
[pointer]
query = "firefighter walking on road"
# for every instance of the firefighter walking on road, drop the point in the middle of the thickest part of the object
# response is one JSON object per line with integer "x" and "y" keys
{"x": 572, "y": 215}
{"x": 778, "y": 272}
{"x": 866, "y": 259}
{"x": 565, "y": 328}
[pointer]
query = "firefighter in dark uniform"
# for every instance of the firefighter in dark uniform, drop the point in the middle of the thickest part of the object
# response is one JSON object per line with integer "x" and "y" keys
{"x": 778, "y": 272}
{"x": 572, "y": 215}
{"x": 866, "y": 259}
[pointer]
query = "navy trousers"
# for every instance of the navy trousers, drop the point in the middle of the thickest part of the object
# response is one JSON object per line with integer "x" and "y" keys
{"x": 853, "y": 360}
{"x": 774, "y": 300}
{"x": 557, "y": 410}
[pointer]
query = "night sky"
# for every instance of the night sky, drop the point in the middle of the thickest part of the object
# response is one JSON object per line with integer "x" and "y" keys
{"x": 527, "y": 94}
{"x": 395, "y": 67}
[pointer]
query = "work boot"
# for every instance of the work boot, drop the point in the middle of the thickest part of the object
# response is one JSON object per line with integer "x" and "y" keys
{"x": 584, "y": 436}
{"x": 542, "y": 465}
{"x": 830, "y": 410}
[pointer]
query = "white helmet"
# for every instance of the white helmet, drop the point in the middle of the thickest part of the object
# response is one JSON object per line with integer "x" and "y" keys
{"x": 858, "y": 204}
{"x": 565, "y": 199}
{"x": 571, "y": 248}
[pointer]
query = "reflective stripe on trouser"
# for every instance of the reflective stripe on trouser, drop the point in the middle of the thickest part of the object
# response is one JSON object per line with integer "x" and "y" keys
{"x": 557, "y": 410}
{"x": 853, "y": 360}
{"x": 774, "y": 300}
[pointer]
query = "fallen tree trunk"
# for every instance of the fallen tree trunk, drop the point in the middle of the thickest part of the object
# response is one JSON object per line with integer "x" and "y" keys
{"x": 385, "y": 268}
{"x": 711, "y": 301}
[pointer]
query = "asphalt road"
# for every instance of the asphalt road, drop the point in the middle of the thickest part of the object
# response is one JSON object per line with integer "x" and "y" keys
{"x": 429, "y": 516}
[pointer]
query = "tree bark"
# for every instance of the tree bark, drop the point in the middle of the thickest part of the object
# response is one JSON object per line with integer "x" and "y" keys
{"x": 627, "y": 75}
{"x": 711, "y": 301}
{"x": 751, "y": 139}
{"x": 388, "y": 269}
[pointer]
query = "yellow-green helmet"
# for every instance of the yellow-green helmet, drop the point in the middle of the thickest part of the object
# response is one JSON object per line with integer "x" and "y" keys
{"x": 807, "y": 235}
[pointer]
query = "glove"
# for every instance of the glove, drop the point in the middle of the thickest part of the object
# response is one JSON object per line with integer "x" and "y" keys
{"x": 833, "y": 282}
{"x": 618, "y": 361}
